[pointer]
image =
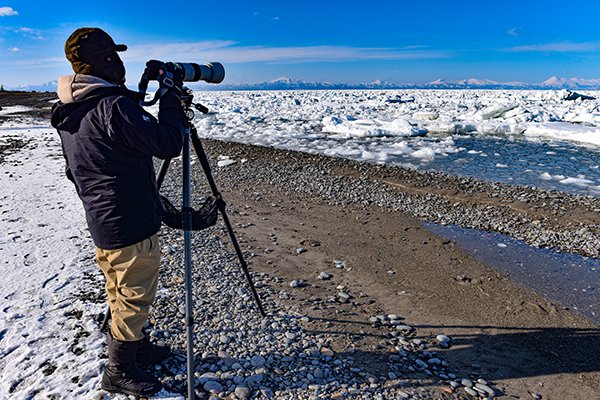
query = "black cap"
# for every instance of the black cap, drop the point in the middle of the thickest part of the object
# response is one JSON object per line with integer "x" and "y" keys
{"x": 92, "y": 51}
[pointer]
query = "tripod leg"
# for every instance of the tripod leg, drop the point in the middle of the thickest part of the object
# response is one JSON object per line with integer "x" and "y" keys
{"x": 187, "y": 237}
{"x": 213, "y": 186}
{"x": 162, "y": 172}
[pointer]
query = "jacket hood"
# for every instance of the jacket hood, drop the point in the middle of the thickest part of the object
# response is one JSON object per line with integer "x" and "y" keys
{"x": 78, "y": 94}
{"x": 77, "y": 87}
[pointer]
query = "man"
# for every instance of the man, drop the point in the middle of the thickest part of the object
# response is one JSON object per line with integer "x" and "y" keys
{"x": 108, "y": 142}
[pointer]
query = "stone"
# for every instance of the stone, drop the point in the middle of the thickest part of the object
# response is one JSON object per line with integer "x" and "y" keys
{"x": 344, "y": 297}
{"x": 242, "y": 392}
{"x": 266, "y": 392}
{"x": 466, "y": 382}
{"x": 324, "y": 276}
{"x": 257, "y": 361}
{"x": 297, "y": 283}
{"x": 442, "y": 338}
{"x": 486, "y": 389}
{"x": 213, "y": 387}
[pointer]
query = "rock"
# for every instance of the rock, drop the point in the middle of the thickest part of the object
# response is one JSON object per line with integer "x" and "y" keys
{"x": 403, "y": 328}
{"x": 257, "y": 361}
{"x": 266, "y": 392}
{"x": 327, "y": 352}
{"x": 344, "y": 297}
{"x": 324, "y": 276}
{"x": 466, "y": 382}
{"x": 297, "y": 283}
{"x": 486, "y": 389}
{"x": 242, "y": 392}
{"x": 434, "y": 361}
{"x": 213, "y": 387}
{"x": 471, "y": 392}
{"x": 442, "y": 338}
{"x": 301, "y": 250}
{"x": 224, "y": 339}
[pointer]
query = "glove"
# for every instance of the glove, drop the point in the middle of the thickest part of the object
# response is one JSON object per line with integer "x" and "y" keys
{"x": 170, "y": 76}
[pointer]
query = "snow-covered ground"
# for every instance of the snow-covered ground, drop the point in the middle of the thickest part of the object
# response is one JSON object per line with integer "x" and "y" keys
{"x": 447, "y": 130}
{"x": 49, "y": 342}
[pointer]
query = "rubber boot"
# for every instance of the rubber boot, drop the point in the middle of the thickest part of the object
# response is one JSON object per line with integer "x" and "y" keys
{"x": 121, "y": 374}
{"x": 150, "y": 354}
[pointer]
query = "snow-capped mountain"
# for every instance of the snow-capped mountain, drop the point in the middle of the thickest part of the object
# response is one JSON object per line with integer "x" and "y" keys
{"x": 42, "y": 87}
{"x": 286, "y": 83}
{"x": 571, "y": 83}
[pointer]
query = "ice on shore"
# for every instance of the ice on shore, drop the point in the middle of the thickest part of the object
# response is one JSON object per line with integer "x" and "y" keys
{"x": 435, "y": 130}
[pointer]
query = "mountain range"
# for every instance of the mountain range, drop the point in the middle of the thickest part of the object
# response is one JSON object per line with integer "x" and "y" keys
{"x": 285, "y": 83}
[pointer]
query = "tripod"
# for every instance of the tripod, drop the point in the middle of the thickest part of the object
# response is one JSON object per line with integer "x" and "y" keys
{"x": 191, "y": 134}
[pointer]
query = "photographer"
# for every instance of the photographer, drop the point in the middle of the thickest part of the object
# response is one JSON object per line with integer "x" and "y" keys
{"x": 108, "y": 142}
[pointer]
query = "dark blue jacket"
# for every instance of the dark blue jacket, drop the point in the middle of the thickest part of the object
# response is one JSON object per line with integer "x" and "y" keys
{"x": 108, "y": 142}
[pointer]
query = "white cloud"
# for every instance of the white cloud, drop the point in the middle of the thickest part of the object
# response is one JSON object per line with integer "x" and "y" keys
{"x": 276, "y": 19}
{"x": 31, "y": 33}
{"x": 513, "y": 31}
{"x": 14, "y": 49}
{"x": 7, "y": 12}
{"x": 562, "y": 47}
{"x": 231, "y": 52}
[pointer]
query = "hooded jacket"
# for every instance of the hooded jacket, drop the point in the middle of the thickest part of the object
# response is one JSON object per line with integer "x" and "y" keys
{"x": 108, "y": 142}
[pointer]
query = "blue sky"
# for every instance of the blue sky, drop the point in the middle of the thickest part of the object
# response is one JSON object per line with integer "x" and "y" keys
{"x": 334, "y": 41}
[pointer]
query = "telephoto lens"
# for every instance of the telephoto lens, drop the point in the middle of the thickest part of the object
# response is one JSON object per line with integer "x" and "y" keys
{"x": 212, "y": 72}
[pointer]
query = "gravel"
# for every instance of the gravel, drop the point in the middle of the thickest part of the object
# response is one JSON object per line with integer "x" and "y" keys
{"x": 241, "y": 355}
{"x": 318, "y": 176}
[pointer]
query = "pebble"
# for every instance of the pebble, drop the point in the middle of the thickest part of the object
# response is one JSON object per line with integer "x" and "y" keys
{"x": 213, "y": 387}
{"x": 486, "y": 389}
{"x": 471, "y": 392}
{"x": 297, "y": 283}
{"x": 257, "y": 361}
{"x": 466, "y": 382}
{"x": 324, "y": 276}
{"x": 344, "y": 297}
{"x": 242, "y": 392}
{"x": 301, "y": 250}
{"x": 442, "y": 338}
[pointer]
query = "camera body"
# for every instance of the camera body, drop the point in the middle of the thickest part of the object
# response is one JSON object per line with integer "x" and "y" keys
{"x": 212, "y": 72}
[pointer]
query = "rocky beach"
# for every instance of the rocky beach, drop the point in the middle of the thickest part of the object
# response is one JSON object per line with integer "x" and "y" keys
{"x": 363, "y": 300}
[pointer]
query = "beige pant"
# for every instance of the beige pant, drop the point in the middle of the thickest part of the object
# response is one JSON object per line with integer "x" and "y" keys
{"x": 131, "y": 280}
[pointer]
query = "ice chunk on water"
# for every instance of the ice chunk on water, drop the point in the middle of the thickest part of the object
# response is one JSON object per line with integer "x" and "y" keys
{"x": 496, "y": 110}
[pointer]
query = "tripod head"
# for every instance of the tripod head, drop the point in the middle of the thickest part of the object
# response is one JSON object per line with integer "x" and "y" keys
{"x": 187, "y": 100}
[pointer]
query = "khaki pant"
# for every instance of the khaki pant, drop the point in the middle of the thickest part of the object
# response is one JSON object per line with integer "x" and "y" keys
{"x": 131, "y": 280}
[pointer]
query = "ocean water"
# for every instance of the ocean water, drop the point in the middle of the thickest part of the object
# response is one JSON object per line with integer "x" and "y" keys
{"x": 542, "y": 163}
{"x": 567, "y": 279}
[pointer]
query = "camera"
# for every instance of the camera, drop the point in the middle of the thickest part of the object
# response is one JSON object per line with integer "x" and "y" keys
{"x": 212, "y": 72}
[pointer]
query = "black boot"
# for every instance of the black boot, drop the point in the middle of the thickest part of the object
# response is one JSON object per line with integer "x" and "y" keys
{"x": 121, "y": 375}
{"x": 149, "y": 353}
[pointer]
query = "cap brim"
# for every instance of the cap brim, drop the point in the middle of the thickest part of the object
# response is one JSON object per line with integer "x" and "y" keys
{"x": 120, "y": 47}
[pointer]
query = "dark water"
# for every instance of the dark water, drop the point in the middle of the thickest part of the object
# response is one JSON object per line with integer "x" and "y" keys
{"x": 567, "y": 279}
{"x": 515, "y": 160}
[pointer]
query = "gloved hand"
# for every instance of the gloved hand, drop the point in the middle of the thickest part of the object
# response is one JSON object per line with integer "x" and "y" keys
{"x": 170, "y": 76}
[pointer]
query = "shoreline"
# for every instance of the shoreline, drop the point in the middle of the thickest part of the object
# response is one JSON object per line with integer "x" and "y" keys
{"x": 395, "y": 266}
